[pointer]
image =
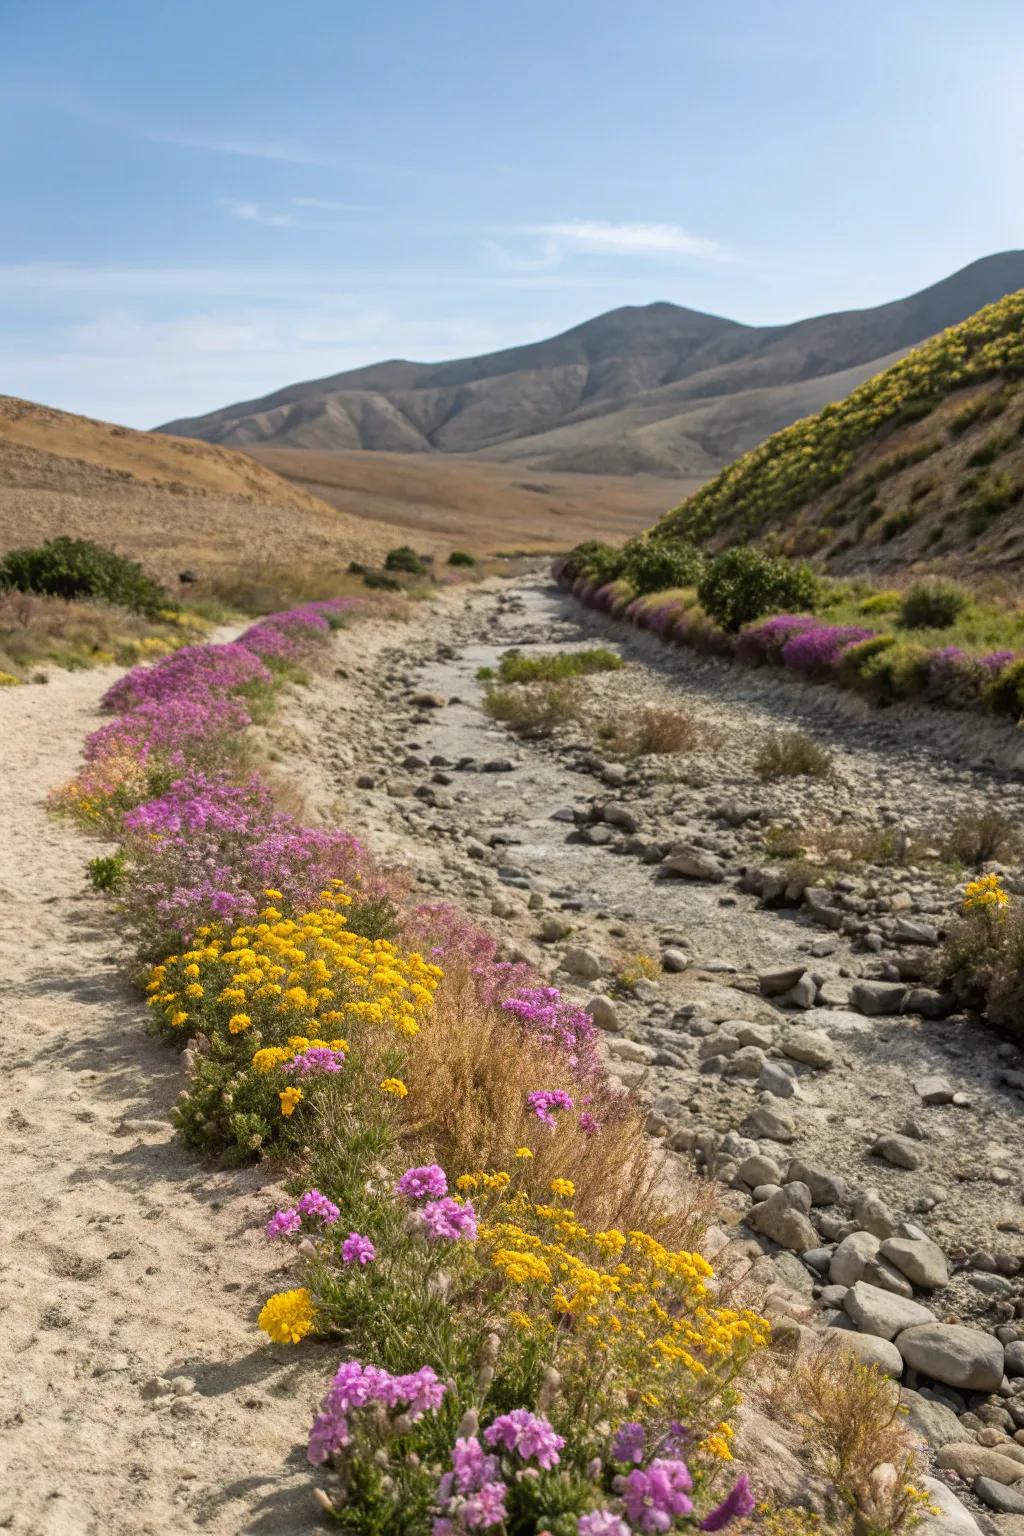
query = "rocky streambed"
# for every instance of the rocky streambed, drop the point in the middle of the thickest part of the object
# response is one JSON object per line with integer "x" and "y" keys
{"x": 791, "y": 1040}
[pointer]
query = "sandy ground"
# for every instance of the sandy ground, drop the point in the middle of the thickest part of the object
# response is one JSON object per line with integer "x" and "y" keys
{"x": 122, "y": 1260}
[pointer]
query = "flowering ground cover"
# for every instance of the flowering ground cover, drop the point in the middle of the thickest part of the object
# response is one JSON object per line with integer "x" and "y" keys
{"x": 529, "y": 1339}
{"x": 855, "y": 642}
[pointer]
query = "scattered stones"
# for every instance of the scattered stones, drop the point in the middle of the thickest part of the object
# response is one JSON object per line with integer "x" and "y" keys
{"x": 604, "y": 1012}
{"x": 582, "y": 963}
{"x": 850, "y": 1257}
{"x": 781, "y": 979}
{"x": 810, "y": 1046}
{"x": 693, "y": 863}
{"x": 934, "y": 1090}
{"x": 673, "y": 959}
{"x": 877, "y": 997}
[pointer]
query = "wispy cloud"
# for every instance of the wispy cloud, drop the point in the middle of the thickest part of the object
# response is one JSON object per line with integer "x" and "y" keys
{"x": 252, "y": 213}
{"x": 599, "y": 236}
{"x": 328, "y": 205}
{"x": 289, "y": 154}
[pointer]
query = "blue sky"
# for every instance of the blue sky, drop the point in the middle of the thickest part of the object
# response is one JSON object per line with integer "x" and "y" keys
{"x": 205, "y": 201}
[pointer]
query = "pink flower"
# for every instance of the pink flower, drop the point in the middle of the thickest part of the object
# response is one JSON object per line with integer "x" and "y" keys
{"x": 357, "y": 1249}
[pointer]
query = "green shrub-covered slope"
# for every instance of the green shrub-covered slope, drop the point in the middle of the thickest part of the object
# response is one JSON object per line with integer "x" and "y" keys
{"x": 923, "y": 464}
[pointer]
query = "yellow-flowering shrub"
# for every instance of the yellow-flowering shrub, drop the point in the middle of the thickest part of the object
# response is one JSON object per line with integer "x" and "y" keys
{"x": 986, "y": 894}
{"x": 282, "y": 976}
{"x": 266, "y": 1005}
{"x": 630, "y": 1324}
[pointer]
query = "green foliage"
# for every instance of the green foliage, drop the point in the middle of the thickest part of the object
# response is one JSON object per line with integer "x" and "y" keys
{"x": 1005, "y": 693}
{"x": 932, "y": 604}
{"x": 376, "y": 919}
{"x": 380, "y": 583}
{"x": 461, "y": 557}
{"x": 744, "y": 583}
{"x": 106, "y": 872}
{"x": 765, "y": 487}
{"x": 792, "y": 754}
{"x": 534, "y": 711}
{"x": 515, "y": 668}
{"x": 404, "y": 558}
{"x": 595, "y": 560}
{"x": 652, "y": 565}
{"x": 992, "y": 494}
{"x": 77, "y": 568}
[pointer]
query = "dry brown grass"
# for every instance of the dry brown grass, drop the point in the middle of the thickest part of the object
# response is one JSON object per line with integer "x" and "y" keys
{"x": 792, "y": 754}
{"x": 852, "y": 1431}
{"x": 651, "y": 732}
{"x": 534, "y": 709}
{"x": 39, "y": 631}
{"x": 469, "y": 1074}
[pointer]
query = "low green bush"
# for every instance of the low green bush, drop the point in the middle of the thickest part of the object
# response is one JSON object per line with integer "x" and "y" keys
{"x": 932, "y": 604}
{"x": 1004, "y": 695}
{"x": 744, "y": 583}
{"x": 653, "y": 565}
{"x": 77, "y": 568}
{"x": 792, "y": 754}
{"x": 461, "y": 557}
{"x": 516, "y": 668}
{"x": 595, "y": 560}
{"x": 404, "y": 558}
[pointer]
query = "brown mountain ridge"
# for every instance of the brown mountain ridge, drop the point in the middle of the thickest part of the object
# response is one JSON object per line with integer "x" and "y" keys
{"x": 657, "y": 389}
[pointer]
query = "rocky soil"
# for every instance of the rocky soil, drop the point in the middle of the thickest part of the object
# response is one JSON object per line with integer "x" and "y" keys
{"x": 790, "y": 1041}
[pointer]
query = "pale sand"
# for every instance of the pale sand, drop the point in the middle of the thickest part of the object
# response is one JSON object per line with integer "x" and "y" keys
{"x": 122, "y": 1258}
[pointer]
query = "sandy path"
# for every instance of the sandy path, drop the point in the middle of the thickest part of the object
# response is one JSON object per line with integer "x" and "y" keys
{"x": 121, "y": 1258}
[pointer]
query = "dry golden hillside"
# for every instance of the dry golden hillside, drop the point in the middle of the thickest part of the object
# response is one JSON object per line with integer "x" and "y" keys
{"x": 172, "y": 503}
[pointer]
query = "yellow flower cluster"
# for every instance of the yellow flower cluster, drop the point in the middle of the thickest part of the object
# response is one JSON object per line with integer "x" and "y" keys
{"x": 986, "y": 894}
{"x": 642, "y": 1309}
{"x": 309, "y": 968}
{"x": 288, "y": 1316}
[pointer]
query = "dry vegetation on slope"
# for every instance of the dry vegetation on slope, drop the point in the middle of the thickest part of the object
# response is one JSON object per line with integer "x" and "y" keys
{"x": 174, "y": 504}
{"x": 921, "y": 466}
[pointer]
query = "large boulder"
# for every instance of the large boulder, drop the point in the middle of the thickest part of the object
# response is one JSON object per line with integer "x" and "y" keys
{"x": 935, "y": 1423}
{"x": 970, "y": 1460}
{"x": 922, "y": 1261}
{"x": 951, "y": 1353}
{"x": 869, "y": 1350}
{"x": 849, "y": 1259}
{"x": 881, "y": 1312}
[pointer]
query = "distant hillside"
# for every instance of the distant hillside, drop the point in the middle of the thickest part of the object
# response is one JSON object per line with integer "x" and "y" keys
{"x": 921, "y": 465}
{"x": 658, "y": 389}
{"x": 168, "y": 502}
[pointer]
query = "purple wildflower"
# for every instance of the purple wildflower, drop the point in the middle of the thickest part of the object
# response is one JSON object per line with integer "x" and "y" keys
{"x": 448, "y": 1221}
{"x": 628, "y": 1444}
{"x": 416, "y": 1183}
{"x": 588, "y": 1125}
{"x": 316, "y": 1058}
{"x": 654, "y": 1497}
{"x": 543, "y": 1100}
{"x": 354, "y": 1386}
{"x": 737, "y": 1505}
{"x": 313, "y": 1203}
{"x": 602, "y": 1522}
{"x": 357, "y": 1249}
{"x": 283, "y": 1223}
{"x": 528, "y": 1433}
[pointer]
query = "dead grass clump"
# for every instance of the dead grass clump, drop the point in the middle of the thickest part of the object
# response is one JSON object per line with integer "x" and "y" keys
{"x": 854, "y": 1434}
{"x": 534, "y": 709}
{"x": 975, "y": 838}
{"x": 792, "y": 754}
{"x": 650, "y": 732}
{"x": 37, "y": 630}
{"x": 469, "y": 1072}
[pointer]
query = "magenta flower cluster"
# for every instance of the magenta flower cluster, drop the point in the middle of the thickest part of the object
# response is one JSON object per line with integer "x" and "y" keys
{"x": 448, "y": 1221}
{"x": 544, "y": 1101}
{"x": 561, "y": 1026}
{"x": 472, "y": 1495}
{"x": 655, "y": 1495}
{"x": 316, "y": 1058}
{"x": 528, "y": 1434}
{"x": 287, "y": 1222}
{"x": 357, "y": 1249}
{"x": 356, "y": 1386}
{"x": 421, "y": 1183}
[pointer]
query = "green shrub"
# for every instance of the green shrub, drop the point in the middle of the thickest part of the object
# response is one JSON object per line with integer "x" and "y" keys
{"x": 792, "y": 754}
{"x": 654, "y": 565}
{"x": 1005, "y": 693}
{"x": 404, "y": 559}
{"x": 380, "y": 583}
{"x": 933, "y": 604}
{"x": 76, "y": 568}
{"x": 515, "y": 668}
{"x": 992, "y": 494}
{"x": 897, "y": 522}
{"x": 887, "y": 601}
{"x": 744, "y": 583}
{"x": 461, "y": 557}
{"x": 106, "y": 872}
{"x": 596, "y": 561}
{"x": 535, "y": 711}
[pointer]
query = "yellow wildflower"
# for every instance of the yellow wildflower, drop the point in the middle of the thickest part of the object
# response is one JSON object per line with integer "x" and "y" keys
{"x": 288, "y": 1316}
{"x": 269, "y": 1057}
{"x": 289, "y": 1098}
{"x": 238, "y": 1022}
{"x": 396, "y": 1086}
{"x": 523, "y": 1152}
{"x": 564, "y": 1187}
